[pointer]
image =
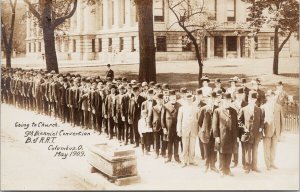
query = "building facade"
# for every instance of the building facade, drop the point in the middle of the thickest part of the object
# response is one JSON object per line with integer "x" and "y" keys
{"x": 108, "y": 33}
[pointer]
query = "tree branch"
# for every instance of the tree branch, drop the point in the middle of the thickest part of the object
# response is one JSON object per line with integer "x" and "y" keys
{"x": 33, "y": 10}
{"x": 285, "y": 40}
{"x": 62, "y": 19}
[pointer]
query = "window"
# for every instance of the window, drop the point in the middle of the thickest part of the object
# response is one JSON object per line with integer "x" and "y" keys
{"x": 40, "y": 47}
{"x": 29, "y": 47}
{"x": 132, "y": 44}
{"x": 112, "y": 13}
{"x": 272, "y": 43}
{"x": 123, "y": 11}
{"x": 256, "y": 43}
{"x": 186, "y": 44}
{"x": 101, "y": 9}
{"x": 34, "y": 47}
{"x": 231, "y": 43}
{"x": 121, "y": 45}
{"x": 66, "y": 45}
{"x": 99, "y": 45}
{"x": 93, "y": 46}
{"x": 230, "y": 10}
{"x": 158, "y": 10}
{"x": 212, "y": 10}
{"x": 74, "y": 45}
{"x": 109, "y": 44}
{"x": 161, "y": 44}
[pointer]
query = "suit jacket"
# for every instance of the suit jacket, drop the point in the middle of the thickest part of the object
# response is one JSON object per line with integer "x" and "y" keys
{"x": 110, "y": 106}
{"x": 95, "y": 102}
{"x": 253, "y": 119}
{"x": 125, "y": 106}
{"x": 169, "y": 118}
{"x": 137, "y": 107}
{"x": 74, "y": 96}
{"x": 63, "y": 95}
{"x": 225, "y": 126}
{"x": 146, "y": 105}
{"x": 238, "y": 107}
{"x": 205, "y": 118}
{"x": 155, "y": 118}
{"x": 273, "y": 125}
{"x": 187, "y": 123}
{"x": 261, "y": 98}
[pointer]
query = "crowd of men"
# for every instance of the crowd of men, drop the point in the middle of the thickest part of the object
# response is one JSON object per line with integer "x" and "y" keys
{"x": 156, "y": 117}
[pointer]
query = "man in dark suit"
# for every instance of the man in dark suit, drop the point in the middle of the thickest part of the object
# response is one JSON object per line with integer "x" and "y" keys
{"x": 155, "y": 122}
{"x": 109, "y": 72}
{"x": 245, "y": 89}
{"x": 225, "y": 131}
{"x": 237, "y": 104}
{"x": 169, "y": 123}
{"x": 109, "y": 110}
{"x": 261, "y": 96}
{"x": 252, "y": 118}
{"x": 137, "y": 104}
{"x": 63, "y": 109}
{"x": 205, "y": 116}
{"x": 199, "y": 102}
{"x": 120, "y": 119}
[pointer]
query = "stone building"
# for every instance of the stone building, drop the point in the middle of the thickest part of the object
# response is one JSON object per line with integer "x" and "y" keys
{"x": 108, "y": 33}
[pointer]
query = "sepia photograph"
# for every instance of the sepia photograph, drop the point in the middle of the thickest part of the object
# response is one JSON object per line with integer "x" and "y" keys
{"x": 149, "y": 95}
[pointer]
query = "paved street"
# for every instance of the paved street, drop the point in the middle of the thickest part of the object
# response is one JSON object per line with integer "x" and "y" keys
{"x": 33, "y": 166}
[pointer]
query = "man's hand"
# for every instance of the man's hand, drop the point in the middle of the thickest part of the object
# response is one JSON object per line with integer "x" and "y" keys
{"x": 179, "y": 134}
{"x": 93, "y": 111}
{"x": 260, "y": 129}
{"x": 123, "y": 118}
{"x": 218, "y": 140}
{"x": 165, "y": 131}
{"x": 105, "y": 116}
{"x": 237, "y": 139}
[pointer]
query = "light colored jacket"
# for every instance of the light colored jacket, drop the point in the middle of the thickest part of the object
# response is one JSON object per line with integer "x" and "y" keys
{"x": 187, "y": 124}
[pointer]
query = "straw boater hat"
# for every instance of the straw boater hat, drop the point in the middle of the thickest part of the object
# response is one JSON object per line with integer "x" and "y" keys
{"x": 205, "y": 78}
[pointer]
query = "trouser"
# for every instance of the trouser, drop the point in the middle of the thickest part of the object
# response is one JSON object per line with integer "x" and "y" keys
{"x": 145, "y": 141}
{"x": 173, "y": 145}
{"x": 128, "y": 132}
{"x": 86, "y": 118}
{"x": 93, "y": 121}
{"x": 111, "y": 124}
{"x": 236, "y": 155}
{"x": 136, "y": 132}
{"x": 210, "y": 153}
{"x": 225, "y": 159}
{"x": 270, "y": 144}
{"x": 121, "y": 132}
{"x": 99, "y": 122}
{"x": 251, "y": 154}
{"x": 73, "y": 116}
{"x": 201, "y": 149}
{"x": 157, "y": 140}
{"x": 63, "y": 112}
{"x": 188, "y": 152}
{"x": 105, "y": 125}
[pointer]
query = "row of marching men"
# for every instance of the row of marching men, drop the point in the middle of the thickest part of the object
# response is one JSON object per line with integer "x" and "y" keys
{"x": 155, "y": 116}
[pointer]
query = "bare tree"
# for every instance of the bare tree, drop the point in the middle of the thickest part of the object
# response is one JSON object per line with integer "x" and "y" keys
{"x": 193, "y": 18}
{"x": 7, "y": 32}
{"x": 50, "y": 14}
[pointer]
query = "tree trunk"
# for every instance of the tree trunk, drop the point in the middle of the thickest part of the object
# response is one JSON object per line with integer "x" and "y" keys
{"x": 147, "y": 68}
{"x": 49, "y": 39}
{"x": 276, "y": 52}
{"x": 199, "y": 58}
{"x": 8, "y": 57}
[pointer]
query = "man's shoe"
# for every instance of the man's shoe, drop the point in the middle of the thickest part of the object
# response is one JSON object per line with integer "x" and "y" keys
{"x": 184, "y": 165}
{"x": 256, "y": 170}
{"x": 194, "y": 164}
{"x": 214, "y": 169}
{"x": 235, "y": 165}
{"x": 178, "y": 161}
{"x": 230, "y": 173}
{"x": 168, "y": 161}
{"x": 274, "y": 167}
{"x": 135, "y": 146}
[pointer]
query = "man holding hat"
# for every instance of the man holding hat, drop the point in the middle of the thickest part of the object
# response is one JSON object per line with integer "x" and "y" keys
{"x": 225, "y": 131}
{"x": 252, "y": 120}
{"x": 109, "y": 72}
{"x": 187, "y": 129}
{"x": 238, "y": 104}
{"x": 205, "y": 116}
{"x": 169, "y": 123}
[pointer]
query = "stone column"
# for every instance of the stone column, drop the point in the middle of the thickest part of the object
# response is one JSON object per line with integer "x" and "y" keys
{"x": 208, "y": 47}
{"x": 128, "y": 13}
{"x": 79, "y": 16}
{"x": 224, "y": 47}
{"x": 105, "y": 14}
{"x": 221, "y": 11}
{"x": 238, "y": 46}
{"x": 212, "y": 47}
{"x": 116, "y": 13}
{"x": 252, "y": 47}
{"x": 28, "y": 20}
{"x": 90, "y": 20}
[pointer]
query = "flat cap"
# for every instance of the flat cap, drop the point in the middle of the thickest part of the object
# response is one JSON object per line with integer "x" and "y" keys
{"x": 172, "y": 92}
{"x": 199, "y": 91}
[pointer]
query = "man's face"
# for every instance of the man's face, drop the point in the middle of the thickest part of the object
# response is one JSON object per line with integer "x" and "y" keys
{"x": 136, "y": 93}
{"x": 145, "y": 88}
{"x": 160, "y": 101}
{"x": 113, "y": 90}
{"x": 232, "y": 84}
{"x": 122, "y": 91}
{"x": 205, "y": 83}
{"x": 150, "y": 96}
{"x": 172, "y": 98}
